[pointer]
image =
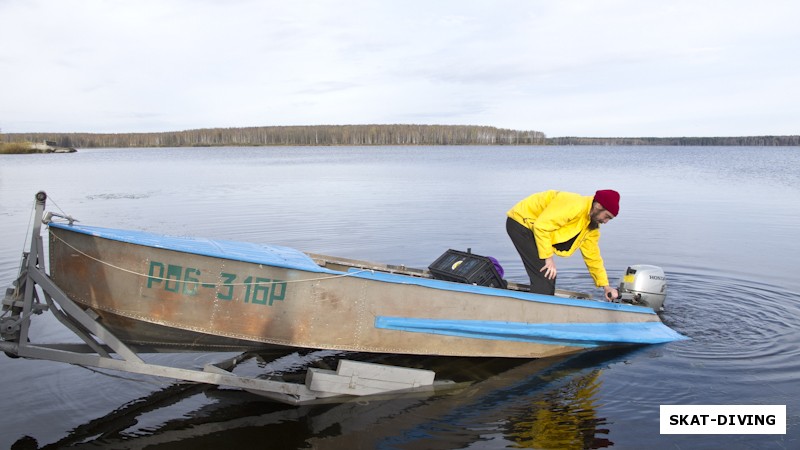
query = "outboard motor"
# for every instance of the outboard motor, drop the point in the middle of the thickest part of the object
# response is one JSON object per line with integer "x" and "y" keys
{"x": 644, "y": 285}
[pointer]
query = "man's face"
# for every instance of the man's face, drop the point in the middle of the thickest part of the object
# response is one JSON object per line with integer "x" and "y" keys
{"x": 599, "y": 216}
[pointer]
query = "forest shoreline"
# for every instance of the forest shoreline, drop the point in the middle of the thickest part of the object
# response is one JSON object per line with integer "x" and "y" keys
{"x": 352, "y": 135}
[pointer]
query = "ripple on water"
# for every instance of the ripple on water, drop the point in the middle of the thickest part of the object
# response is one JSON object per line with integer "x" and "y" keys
{"x": 743, "y": 350}
{"x": 119, "y": 195}
{"x": 731, "y": 319}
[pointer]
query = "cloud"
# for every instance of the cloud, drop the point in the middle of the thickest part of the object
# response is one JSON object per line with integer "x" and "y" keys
{"x": 612, "y": 68}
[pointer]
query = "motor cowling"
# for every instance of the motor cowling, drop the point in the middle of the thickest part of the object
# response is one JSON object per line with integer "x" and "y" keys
{"x": 644, "y": 285}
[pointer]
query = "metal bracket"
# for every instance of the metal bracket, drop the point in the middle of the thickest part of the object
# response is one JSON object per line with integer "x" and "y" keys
{"x": 104, "y": 350}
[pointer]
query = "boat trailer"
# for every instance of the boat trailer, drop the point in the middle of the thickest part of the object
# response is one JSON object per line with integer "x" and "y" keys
{"x": 103, "y": 350}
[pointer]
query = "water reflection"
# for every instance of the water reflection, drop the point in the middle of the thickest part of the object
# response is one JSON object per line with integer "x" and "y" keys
{"x": 544, "y": 403}
{"x": 564, "y": 419}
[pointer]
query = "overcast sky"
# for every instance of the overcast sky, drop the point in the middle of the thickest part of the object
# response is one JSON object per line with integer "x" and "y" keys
{"x": 566, "y": 68}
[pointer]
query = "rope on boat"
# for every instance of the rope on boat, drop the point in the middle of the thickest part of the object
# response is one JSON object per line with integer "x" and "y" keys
{"x": 217, "y": 283}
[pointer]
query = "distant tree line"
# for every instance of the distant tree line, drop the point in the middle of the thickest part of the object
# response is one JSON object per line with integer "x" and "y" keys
{"x": 296, "y": 135}
{"x": 368, "y": 135}
{"x": 688, "y": 141}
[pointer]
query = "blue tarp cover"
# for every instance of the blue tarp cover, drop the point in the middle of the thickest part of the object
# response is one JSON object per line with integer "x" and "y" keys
{"x": 270, "y": 255}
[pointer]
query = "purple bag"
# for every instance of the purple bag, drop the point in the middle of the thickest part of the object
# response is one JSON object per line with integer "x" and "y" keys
{"x": 497, "y": 266}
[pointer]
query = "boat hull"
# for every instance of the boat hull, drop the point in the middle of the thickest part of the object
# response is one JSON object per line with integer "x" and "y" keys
{"x": 189, "y": 293}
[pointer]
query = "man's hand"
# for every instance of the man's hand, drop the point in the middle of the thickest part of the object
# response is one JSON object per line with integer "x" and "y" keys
{"x": 549, "y": 269}
{"x": 611, "y": 294}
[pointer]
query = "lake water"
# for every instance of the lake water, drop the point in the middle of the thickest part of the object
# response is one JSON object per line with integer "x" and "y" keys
{"x": 722, "y": 222}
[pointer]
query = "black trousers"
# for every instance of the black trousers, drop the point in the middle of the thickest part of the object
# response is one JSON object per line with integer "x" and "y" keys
{"x": 525, "y": 243}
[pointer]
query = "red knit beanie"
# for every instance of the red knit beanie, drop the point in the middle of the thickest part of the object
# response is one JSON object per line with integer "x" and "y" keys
{"x": 609, "y": 200}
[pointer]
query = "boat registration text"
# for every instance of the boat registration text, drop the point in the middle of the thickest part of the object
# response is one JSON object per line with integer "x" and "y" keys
{"x": 187, "y": 281}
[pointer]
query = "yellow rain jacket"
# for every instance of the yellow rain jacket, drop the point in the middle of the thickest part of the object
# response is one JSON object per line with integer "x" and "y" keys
{"x": 556, "y": 217}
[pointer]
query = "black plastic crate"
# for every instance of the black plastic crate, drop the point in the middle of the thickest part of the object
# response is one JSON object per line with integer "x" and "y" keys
{"x": 466, "y": 267}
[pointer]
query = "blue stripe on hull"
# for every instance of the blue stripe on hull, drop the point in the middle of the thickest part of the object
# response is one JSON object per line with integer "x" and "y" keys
{"x": 570, "y": 334}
